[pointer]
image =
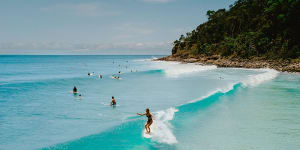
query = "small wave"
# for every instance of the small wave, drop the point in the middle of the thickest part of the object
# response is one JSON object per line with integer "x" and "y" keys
{"x": 139, "y": 60}
{"x": 154, "y": 58}
{"x": 175, "y": 69}
{"x": 146, "y": 59}
{"x": 161, "y": 128}
{"x": 219, "y": 90}
{"x": 254, "y": 80}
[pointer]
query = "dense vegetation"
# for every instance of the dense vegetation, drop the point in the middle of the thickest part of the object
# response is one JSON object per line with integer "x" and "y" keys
{"x": 268, "y": 29}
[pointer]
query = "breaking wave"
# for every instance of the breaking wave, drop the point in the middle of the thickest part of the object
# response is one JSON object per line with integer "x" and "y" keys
{"x": 161, "y": 128}
{"x": 254, "y": 80}
{"x": 175, "y": 69}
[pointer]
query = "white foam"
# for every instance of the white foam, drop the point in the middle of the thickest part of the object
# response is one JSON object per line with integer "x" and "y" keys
{"x": 254, "y": 80}
{"x": 175, "y": 69}
{"x": 154, "y": 58}
{"x": 146, "y": 59}
{"x": 161, "y": 128}
{"x": 138, "y": 60}
{"x": 218, "y": 90}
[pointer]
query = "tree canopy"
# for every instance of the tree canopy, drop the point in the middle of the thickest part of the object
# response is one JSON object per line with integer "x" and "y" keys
{"x": 250, "y": 28}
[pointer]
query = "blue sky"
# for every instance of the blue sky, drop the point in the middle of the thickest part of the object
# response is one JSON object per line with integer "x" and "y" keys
{"x": 99, "y": 26}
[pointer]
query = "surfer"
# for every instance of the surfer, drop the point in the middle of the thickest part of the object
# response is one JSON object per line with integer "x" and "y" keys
{"x": 113, "y": 101}
{"x": 74, "y": 90}
{"x": 89, "y": 74}
{"x": 149, "y": 122}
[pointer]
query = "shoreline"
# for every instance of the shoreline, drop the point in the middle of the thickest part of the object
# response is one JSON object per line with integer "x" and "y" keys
{"x": 282, "y": 66}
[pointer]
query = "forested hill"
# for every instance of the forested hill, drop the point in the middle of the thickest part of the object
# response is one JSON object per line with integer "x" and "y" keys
{"x": 268, "y": 29}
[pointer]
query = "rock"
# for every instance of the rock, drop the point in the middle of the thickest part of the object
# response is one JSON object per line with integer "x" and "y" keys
{"x": 234, "y": 62}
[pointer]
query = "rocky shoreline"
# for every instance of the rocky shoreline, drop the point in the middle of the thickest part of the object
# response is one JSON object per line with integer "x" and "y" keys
{"x": 283, "y": 66}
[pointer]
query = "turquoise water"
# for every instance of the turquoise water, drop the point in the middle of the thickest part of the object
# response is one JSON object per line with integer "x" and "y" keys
{"x": 194, "y": 106}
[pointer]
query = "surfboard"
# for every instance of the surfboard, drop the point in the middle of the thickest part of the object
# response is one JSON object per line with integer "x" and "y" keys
{"x": 152, "y": 130}
{"x": 147, "y": 135}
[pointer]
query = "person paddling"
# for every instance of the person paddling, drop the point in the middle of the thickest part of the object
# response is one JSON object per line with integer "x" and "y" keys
{"x": 113, "y": 101}
{"x": 150, "y": 120}
{"x": 74, "y": 90}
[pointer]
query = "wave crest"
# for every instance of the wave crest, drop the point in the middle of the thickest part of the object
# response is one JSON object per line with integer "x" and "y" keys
{"x": 175, "y": 69}
{"x": 254, "y": 80}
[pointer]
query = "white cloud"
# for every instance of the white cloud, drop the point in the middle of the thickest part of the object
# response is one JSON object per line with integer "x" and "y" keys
{"x": 82, "y": 9}
{"x": 85, "y": 48}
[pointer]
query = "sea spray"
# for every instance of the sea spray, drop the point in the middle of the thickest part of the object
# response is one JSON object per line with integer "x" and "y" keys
{"x": 175, "y": 69}
{"x": 255, "y": 80}
{"x": 161, "y": 128}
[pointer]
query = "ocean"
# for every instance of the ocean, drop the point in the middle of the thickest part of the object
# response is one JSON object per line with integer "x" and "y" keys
{"x": 194, "y": 107}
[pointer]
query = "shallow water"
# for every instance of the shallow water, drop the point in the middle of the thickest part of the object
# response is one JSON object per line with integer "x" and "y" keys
{"x": 194, "y": 106}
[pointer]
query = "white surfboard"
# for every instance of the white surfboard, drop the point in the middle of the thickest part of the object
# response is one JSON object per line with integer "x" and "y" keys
{"x": 152, "y": 130}
{"x": 148, "y": 135}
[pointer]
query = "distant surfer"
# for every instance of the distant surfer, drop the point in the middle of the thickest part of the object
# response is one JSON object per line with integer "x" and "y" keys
{"x": 89, "y": 74}
{"x": 100, "y": 76}
{"x": 79, "y": 96}
{"x": 119, "y": 72}
{"x": 116, "y": 77}
{"x": 113, "y": 101}
{"x": 149, "y": 122}
{"x": 74, "y": 90}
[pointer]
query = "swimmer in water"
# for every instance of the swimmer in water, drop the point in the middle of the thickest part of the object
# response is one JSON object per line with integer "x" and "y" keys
{"x": 149, "y": 122}
{"x": 113, "y": 101}
{"x": 74, "y": 90}
{"x": 79, "y": 96}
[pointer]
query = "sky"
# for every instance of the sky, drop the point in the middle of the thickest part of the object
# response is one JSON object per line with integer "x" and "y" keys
{"x": 105, "y": 27}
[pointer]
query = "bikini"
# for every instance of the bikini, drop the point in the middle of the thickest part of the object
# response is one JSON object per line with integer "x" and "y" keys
{"x": 149, "y": 118}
